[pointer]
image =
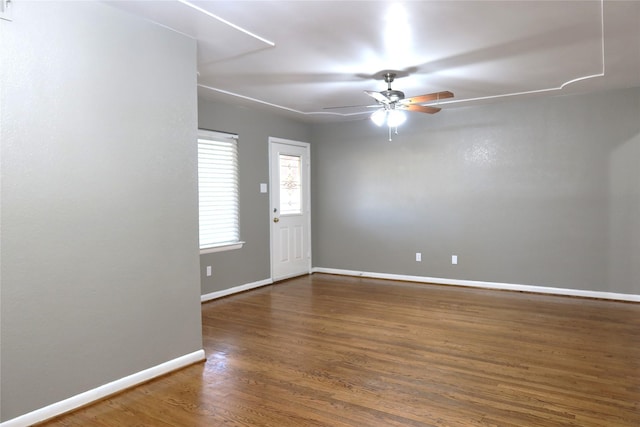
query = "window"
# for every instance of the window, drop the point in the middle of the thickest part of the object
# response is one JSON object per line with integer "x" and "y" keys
{"x": 218, "y": 191}
{"x": 290, "y": 185}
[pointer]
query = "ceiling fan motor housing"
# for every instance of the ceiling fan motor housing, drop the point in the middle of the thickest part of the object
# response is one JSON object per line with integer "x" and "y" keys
{"x": 393, "y": 95}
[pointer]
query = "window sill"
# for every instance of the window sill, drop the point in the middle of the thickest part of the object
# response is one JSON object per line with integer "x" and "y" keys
{"x": 222, "y": 248}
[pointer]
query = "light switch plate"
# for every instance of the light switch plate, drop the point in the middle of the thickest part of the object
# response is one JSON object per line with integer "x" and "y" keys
{"x": 454, "y": 259}
{"x": 263, "y": 187}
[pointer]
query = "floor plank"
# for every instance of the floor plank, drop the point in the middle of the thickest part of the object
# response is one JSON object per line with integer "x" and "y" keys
{"x": 327, "y": 350}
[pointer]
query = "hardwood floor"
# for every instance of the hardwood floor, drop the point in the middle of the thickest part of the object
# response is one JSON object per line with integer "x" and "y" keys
{"x": 326, "y": 350}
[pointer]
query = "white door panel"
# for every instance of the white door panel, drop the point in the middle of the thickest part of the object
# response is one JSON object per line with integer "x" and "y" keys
{"x": 298, "y": 242}
{"x": 283, "y": 244}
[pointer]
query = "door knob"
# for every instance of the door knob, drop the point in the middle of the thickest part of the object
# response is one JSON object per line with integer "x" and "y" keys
{"x": 276, "y": 219}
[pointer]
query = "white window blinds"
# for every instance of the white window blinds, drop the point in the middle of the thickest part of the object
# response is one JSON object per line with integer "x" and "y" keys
{"x": 218, "y": 189}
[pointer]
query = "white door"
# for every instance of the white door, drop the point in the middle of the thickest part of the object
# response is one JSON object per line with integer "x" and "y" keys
{"x": 289, "y": 208}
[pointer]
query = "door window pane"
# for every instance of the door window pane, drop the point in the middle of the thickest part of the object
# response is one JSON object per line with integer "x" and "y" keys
{"x": 290, "y": 185}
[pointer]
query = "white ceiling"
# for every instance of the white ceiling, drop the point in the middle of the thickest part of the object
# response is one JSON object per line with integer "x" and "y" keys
{"x": 300, "y": 57}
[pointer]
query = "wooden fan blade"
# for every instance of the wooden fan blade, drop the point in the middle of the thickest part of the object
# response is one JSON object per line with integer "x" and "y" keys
{"x": 425, "y": 98}
{"x": 377, "y": 96}
{"x": 421, "y": 108}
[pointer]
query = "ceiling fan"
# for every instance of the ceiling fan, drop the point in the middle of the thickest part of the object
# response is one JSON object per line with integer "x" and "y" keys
{"x": 394, "y": 104}
{"x": 394, "y": 100}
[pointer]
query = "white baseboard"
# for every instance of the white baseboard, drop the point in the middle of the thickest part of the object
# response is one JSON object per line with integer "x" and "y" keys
{"x": 486, "y": 285}
{"x": 234, "y": 290}
{"x": 103, "y": 391}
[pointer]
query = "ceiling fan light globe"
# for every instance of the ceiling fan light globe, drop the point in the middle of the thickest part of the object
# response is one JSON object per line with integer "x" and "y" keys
{"x": 379, "y": 117}
{"x": 396, "y": 118}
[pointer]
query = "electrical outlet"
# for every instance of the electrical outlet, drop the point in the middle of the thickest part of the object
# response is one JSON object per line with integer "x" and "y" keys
{"x": 418, "y": 256}
{"x": 454, "y": 259}
{"x": 208, "y": 270}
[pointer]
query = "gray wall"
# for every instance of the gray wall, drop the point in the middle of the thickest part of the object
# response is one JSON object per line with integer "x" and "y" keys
{"x": 99, "y": 200}
{"x": 254, "y": 127}
{"x": 543, "y": 192}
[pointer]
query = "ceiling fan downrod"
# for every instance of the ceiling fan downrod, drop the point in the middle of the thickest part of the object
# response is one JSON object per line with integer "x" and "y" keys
{"x": 388, "y": 78}
{"x": 390, "y": 94}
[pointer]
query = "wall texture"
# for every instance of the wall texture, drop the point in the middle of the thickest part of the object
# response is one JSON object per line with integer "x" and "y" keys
{"x": 539, "y": 192}
{"x": 254, "y": 127}
{"x": 99, "y": 200}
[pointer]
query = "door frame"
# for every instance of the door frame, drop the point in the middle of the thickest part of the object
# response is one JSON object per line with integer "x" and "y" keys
{"x": 307, "y": 200}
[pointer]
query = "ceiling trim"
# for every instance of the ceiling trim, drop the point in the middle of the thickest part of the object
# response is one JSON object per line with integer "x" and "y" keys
{"x": 439, "y": 103}
{"x": 259, "y": 101}
{"x": 551, "y": 89}
{"x": 224, "y": 21}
